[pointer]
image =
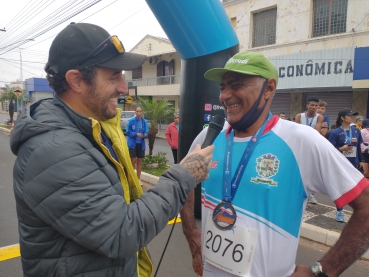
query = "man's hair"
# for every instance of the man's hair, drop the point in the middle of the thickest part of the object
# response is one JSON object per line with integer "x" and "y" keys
{"x": 282, "y": 113}
{"x": 28, "y": 101}
{"x": 60, "y": 85}
{"x": 322, "y": 103}
{"x": 359, "y": 118}
{"x": 312, "y": 99}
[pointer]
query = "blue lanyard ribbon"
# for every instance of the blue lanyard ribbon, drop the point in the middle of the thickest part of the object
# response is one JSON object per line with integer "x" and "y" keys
{"x": 307, "y": 120}
{"x": 230, "y": 186}
{"x": 348, "y": 140}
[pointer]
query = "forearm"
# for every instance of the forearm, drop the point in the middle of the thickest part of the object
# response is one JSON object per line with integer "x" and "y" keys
{"x": 187, "y": 215}
{"x": 353, "y": 242}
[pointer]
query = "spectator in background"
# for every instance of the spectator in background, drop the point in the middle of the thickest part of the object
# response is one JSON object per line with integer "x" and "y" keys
{"x": 310, "y": 117}
{"x": 364, "y": 147}
{"x": 322, "y": 108}
{"x": 28, "y": 103}
{"x": 171, "y": 135}
{"x": 282, "y": 115}
{"x": 359, "y": 122}
{"x": 347, "y": 139}
{"x": 11, "y": 110}
{"x": 313, "y": 119}
{"x": 137, "y": 129}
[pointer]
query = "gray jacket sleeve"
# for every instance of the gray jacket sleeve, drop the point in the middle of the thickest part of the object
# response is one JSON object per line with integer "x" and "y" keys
{"x": 75, "y": 191}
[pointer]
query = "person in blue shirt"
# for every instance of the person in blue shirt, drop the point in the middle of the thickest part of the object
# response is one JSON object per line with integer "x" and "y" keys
{"x": 137, "y": 129}
{"x": 321, "y": 110}
{"x": 347, "y": 139}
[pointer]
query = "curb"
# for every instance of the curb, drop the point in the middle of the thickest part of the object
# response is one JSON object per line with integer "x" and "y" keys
{"x": 4, "y": 130}
{"x": 307, "y": 231}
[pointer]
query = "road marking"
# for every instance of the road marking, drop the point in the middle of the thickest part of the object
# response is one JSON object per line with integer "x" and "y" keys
{"x": 9, "y": 252}
{"x": 13, "y": 251}
{"x": 177, "y": 221}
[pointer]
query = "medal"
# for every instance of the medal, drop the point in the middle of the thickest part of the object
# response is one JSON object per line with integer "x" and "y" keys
{"x": 224, "y": 216}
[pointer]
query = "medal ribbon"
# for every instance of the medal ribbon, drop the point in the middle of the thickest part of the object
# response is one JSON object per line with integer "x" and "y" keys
{"x": 348, "y": 140}
{"x": 230, "y": 186}
{"x": 307, "y": 120}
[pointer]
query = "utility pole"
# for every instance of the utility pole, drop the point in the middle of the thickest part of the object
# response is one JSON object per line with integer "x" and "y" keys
{"x": 21, "y": 70}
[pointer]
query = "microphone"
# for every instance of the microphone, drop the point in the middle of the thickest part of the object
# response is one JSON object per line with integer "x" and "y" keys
{"x": 215, "y": 126}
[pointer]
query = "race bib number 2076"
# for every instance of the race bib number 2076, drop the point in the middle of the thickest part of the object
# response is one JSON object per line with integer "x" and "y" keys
{"x": 230, "y": 250}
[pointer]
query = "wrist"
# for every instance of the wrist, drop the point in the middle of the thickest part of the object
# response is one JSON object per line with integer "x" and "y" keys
{"x": 317, "y": 270}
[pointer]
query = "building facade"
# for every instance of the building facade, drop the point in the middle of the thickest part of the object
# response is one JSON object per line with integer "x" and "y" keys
{"x": 315, "y": 45}
{"x": 159, "y": 76}
{"x": 38, "y": 88}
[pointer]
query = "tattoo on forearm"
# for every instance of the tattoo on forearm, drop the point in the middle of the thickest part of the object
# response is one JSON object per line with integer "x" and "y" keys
{"x": 197, "y": 166}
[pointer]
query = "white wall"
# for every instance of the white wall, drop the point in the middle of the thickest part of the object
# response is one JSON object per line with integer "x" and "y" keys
{"x": 294, "y": 26}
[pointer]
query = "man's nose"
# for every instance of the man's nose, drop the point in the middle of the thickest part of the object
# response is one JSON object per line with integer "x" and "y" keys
{"x": 225, "y": 94}
{"x": 122, "y": 86}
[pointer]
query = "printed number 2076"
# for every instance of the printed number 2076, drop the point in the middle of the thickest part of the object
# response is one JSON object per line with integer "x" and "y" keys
{"x": 215, "y": 244}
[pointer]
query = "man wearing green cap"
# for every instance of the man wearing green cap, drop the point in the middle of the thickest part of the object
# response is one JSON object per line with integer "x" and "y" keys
{"x": 265, "y": 169}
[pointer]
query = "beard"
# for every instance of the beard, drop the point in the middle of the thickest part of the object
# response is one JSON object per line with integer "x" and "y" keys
{"x": 98, "y": 105}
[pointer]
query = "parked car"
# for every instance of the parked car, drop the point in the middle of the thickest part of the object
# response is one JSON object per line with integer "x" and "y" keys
{"x": 126, "y": 115}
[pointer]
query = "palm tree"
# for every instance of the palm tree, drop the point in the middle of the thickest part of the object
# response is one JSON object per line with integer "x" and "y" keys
{"x": 155, "y": 111}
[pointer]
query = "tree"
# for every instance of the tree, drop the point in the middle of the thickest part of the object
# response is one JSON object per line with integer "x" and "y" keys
{"x": 155, "y": 111}
{"x": 8, "y": 94}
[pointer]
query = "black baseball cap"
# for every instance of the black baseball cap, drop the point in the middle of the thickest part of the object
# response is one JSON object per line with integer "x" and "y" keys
{"x": 74, "y": 44}
{"x": 346, "y": 112}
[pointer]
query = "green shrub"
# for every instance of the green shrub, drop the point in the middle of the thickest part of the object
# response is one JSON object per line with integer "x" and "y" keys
{"x": 159, "y": 158}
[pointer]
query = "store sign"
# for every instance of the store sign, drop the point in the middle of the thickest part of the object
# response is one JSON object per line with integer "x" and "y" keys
{"x": 316, "y": 69}
{"x": 361, "y": 75}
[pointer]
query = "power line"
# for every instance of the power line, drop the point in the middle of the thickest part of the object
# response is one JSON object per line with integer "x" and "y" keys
{"x": 53, "y": 17}
{"x": 23, "y": 61}
{"x": 57, "y": 23}
{"x": 12, "y": 63}
{"x": 126, "y": 18}
{"x": 58, "y": 32}
{"x": 16, "y": 17}
{"x": 98, "y": 11}
{"x": 32, "y": 14}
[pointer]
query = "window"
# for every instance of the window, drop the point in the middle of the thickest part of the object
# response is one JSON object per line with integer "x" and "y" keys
{"x": 264, "y": 31}
{"x": 165, "y": 68}
{"x": 234, "y": 22}
{"x": 329, "y": 17}
{"x": 137, "y": 73}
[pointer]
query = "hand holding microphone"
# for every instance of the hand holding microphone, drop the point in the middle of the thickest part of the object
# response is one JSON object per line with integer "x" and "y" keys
{"x": 198, "y": 161}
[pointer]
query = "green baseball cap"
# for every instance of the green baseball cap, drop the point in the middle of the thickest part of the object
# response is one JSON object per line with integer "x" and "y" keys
{"x": 249, "y": 63}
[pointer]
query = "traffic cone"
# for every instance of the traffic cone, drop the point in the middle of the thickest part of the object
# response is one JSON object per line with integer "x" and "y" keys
{"x": 11, "y": 128}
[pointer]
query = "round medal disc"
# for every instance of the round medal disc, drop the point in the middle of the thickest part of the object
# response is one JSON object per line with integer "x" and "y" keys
{"x": 224, "y": 216}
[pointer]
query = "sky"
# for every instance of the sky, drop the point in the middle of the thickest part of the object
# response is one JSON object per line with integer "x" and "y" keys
{"x": 27, "y": 22}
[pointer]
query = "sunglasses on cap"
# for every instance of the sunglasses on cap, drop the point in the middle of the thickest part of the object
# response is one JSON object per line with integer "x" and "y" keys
{"x": 110, "y": 41}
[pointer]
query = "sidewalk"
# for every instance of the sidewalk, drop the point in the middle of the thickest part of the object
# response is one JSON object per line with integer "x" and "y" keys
{"x": 318, "y": 225}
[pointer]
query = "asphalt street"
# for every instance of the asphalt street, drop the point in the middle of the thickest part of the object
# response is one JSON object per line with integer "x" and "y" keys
{"x": 177, "y": 259}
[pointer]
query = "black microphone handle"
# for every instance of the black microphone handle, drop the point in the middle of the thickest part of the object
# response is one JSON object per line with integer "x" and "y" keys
{"x": 210, "y": 136}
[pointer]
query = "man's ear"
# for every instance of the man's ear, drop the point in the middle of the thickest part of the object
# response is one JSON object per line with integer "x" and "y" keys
{"x": 270, "y": 89}
{"x": 74, "y": 79}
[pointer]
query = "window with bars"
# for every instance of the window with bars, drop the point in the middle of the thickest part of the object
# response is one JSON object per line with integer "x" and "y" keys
{"x": 137, "y": 73}
{"x": 329, "y": 17}
{"x": 264, "y": 31}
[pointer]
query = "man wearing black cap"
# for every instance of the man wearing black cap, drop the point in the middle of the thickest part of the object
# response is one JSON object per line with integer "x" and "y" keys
{"x": 262, "y": 172}
{"x": 80, "y": 206}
